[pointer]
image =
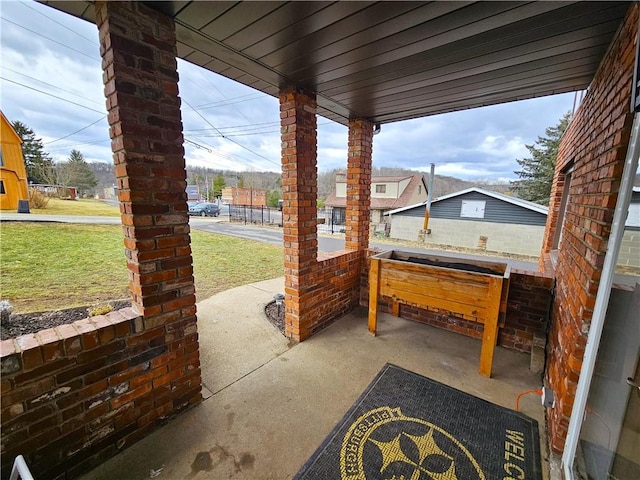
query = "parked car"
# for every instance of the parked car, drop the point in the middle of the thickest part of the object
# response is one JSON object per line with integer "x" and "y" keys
{"x": 205, "y": 210}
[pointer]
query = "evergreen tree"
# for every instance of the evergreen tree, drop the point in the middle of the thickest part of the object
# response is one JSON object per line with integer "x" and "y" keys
{"x": 218, "y": 185}
{"x": 37, "y": 162}
{"x": 78, "y": 173}
{"x": 536, "y": 175}
{"x": 272, "y": 197}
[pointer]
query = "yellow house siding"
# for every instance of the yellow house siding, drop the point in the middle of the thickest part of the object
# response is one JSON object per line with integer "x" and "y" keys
{"x": 13, "y": 172}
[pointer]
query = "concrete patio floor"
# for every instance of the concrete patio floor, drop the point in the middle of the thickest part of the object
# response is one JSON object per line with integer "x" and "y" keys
{"x": 269, "y": 404}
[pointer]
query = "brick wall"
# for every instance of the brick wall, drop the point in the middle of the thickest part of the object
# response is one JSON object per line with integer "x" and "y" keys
{"x": 337, "y": 278}
{"x": 528, "y": 306}
{"x": 247, "y": 196}
{"x": 595, "y": 143}
{"x": 319, "y": 290}
{"x": 75, "y": 395}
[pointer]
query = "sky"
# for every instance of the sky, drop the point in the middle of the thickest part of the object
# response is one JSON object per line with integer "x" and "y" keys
{"x": 51, "y": 80}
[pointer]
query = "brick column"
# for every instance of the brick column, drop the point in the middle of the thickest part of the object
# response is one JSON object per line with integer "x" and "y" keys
{"x": 359, "y": 184}
{"x": 138, "y": 48}
{"x": 299, "y": 211}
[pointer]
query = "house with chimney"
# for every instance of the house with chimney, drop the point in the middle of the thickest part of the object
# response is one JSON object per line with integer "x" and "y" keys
{"x": 387, "y": 193}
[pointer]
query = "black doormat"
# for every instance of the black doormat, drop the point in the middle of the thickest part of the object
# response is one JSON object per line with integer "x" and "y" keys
{"x": 406, "y": 426}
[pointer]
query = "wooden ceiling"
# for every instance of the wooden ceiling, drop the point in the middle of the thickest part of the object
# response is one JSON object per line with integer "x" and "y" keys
{"x": 390, "y": 61}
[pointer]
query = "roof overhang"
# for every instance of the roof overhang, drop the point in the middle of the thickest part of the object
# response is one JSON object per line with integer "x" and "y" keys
{"x": 391, "y": 61}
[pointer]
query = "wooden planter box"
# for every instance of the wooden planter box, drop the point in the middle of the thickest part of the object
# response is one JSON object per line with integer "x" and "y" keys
{"x": 444, "y": 283}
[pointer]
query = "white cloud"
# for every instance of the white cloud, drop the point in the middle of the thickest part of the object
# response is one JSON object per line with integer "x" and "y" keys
{"x": 500, "y": 146}
{"x": 460, "y": 170}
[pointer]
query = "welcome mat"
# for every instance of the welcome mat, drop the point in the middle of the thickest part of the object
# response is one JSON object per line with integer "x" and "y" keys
{"x": 406, "y": 426}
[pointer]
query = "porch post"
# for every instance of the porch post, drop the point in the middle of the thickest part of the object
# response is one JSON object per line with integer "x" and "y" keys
{"x": 299, "y": 211}
{"x": 138, "y": 48}
{"x": 358, "y": 184}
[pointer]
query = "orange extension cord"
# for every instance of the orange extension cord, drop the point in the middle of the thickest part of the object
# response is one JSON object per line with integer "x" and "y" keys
{"x": 538, "y": 391}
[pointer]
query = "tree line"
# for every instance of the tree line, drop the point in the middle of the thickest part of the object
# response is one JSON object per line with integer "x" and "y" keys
{"x": 41, "y": 169}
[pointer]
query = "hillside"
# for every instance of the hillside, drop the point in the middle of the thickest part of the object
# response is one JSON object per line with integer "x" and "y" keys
{"x": 442, "y": 184}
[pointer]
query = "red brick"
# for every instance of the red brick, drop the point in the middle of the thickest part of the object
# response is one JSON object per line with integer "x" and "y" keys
{"x": 167, "y": 378}
{"x": 44, "y": 369}
{"x": 596, "y": 142}
{"x": 28, "y": 391}
{"x": 7, "y": 347}
{"x": 30, "y": 351}
{"x": 131, "y": 395}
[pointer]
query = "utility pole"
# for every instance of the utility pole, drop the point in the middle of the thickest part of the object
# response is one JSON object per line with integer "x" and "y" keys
{"x": 427, "y": 210}
{"x": 425, "y": 231}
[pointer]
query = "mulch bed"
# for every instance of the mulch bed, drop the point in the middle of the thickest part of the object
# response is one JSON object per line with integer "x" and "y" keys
{"x": 24, "y": 323}
{"x": 275, "y": 315}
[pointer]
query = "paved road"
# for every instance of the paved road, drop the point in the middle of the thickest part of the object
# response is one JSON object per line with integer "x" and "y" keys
{"x": 331, "y": 244}
{"x": 271, "y": 235}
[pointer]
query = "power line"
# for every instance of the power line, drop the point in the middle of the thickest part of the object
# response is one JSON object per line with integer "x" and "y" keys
{"x": 246, "y": 134}
{"x": 50, "y": 39}
{"x": 220, "y": 103}
{"x": 77, "y": 131}
{"x": 224, "y": 103}
{"x": 242, "y": 132}
{"x": 50, "y": 85}
{"x": 234, "y": 126}
{"x": 61, "y": 24}
{"x": 243, "y": 129}
{"x": 197, "y": 145}
{"x": 50, "y": 95}
{"x": 230, "y": 139}
{"x": 224, "y": 96}
{"x": 235, "y": 158}
{"x": 61, "y": 148}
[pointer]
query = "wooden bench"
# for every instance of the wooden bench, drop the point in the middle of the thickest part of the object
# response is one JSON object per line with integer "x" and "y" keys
{"x": 476, "y": 290}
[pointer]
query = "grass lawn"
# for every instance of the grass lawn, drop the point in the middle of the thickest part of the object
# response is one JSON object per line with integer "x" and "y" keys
{"x": 83, "y": 206}
{"x": 56, "y": 266}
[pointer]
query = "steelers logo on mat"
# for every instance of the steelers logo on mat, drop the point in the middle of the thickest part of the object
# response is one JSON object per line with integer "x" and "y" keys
{"x": 383, "y": 443}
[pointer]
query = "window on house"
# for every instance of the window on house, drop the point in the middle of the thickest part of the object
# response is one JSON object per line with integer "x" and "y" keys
{"x": 2, "y": 191}
{"x": 419, "y": 189}
{"x": 565, "y": 177}
{"x": 381, "y": 189}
